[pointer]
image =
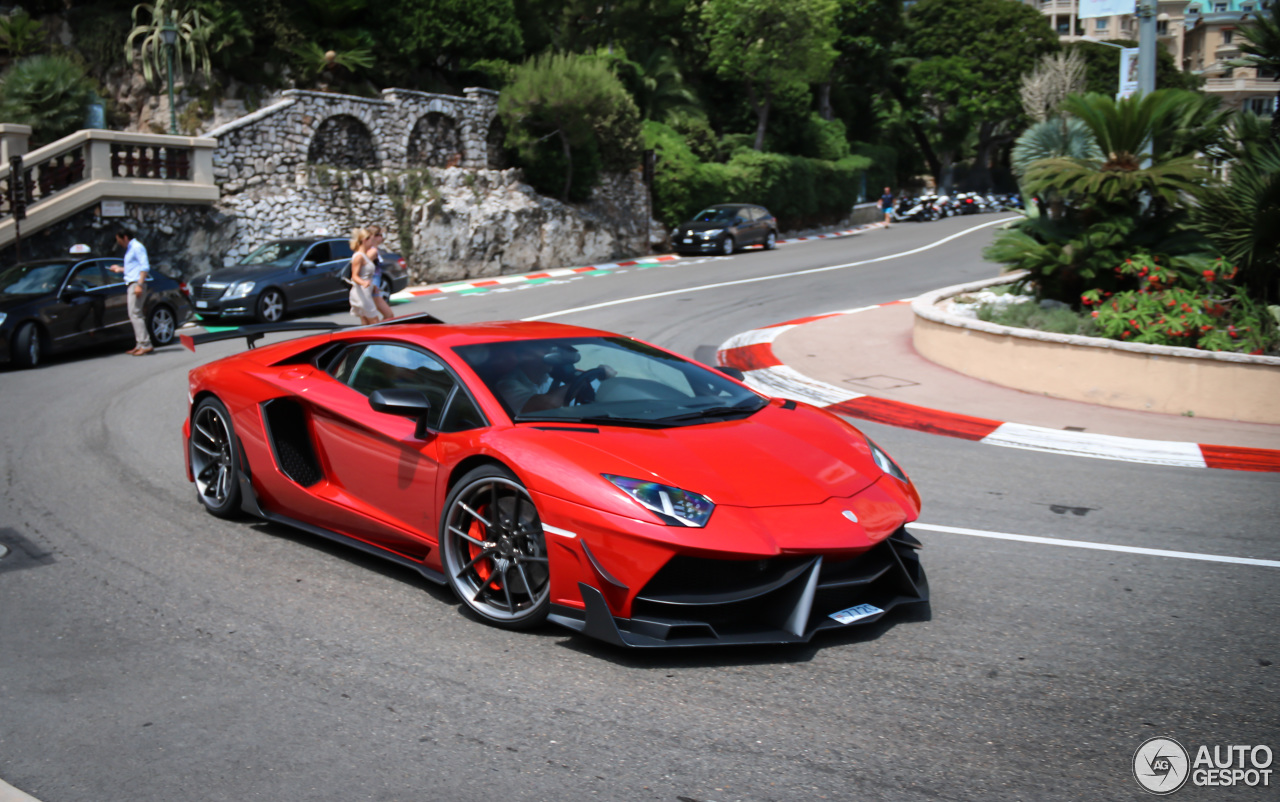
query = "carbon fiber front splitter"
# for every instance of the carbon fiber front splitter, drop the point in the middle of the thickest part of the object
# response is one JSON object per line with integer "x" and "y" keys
{"x": 784, "y": 601}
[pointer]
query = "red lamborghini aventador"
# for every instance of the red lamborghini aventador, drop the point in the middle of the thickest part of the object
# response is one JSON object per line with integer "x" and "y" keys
{"x": 550, "y": 472}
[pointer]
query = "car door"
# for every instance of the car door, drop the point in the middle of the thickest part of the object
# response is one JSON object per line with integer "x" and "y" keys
{"x": 89, "y": 308}
{"x": 377, "y": 472}
{"x": 315, "y": 279}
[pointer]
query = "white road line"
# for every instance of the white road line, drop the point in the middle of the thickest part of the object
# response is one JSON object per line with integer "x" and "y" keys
{"x": 809, "y": 272}
{"x": 1084, "y": 544}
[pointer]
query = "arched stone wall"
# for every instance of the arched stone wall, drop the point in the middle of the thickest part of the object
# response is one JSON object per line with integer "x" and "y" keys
{"x": 343, "y": 141}
{"x": 436, "y": 141}
{"x": 494, "y": 145}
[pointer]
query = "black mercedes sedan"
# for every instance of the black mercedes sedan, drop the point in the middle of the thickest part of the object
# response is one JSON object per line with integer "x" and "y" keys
{"x": 57, "y": 305}
{"x": 284, "y": 276}
{"x": 725, "y": 228}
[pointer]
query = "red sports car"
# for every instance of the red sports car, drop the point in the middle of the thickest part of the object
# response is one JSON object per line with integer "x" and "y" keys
{"x": 550, "y": 472}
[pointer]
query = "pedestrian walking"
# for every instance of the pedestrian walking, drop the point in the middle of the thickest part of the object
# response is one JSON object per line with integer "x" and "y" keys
{"x": 885, "y": 205}
{"x": 379, "y": 300}
{"x": 362, "y": 267}
{"x": 136, "y": 271}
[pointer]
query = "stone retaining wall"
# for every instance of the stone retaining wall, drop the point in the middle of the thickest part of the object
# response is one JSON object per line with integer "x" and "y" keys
{"x": 1150, "y": 378}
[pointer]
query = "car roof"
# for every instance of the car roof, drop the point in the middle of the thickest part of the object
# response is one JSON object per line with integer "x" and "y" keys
{"x": 452, "y": 335}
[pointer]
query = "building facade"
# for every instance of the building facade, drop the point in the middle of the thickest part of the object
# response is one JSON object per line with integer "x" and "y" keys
{"x": 1203, "y": 36}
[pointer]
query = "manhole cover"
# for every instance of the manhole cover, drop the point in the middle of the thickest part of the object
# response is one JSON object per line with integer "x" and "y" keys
{"x": 881, "y": 382}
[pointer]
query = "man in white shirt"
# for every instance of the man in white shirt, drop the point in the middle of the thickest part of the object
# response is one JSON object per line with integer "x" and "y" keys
{"x": 136, "y": 270}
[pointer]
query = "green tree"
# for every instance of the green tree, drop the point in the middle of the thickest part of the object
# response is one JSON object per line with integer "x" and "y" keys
{"x": 48, "y": 93}
{"x": 1102, "y": 67}
{"x": 443, "y": 37}
{"x": 578, "y": 103}
{"x": 866, "y": 31}
{"x": 20, "y": 35}
{"x": 989, "y": 43}
{"x": 770, "y": 45}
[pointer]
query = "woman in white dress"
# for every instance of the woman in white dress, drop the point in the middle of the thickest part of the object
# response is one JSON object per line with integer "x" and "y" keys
{"x": 362, "y": 267}
{"x": 376, "y": 238}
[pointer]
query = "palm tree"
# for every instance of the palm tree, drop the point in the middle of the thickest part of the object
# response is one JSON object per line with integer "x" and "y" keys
{"x": 1242, "y": 219}
{"x": 1261, "y": 47}
{"x": 1126, "y": 130}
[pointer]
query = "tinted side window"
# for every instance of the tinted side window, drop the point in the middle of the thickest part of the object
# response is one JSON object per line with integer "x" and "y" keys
{"x": 318, "y": 253}
{"x": 91, "y": 275}
{"x": 339, "y": 249}
{"x": 386, "y": 366}
{"x": 461, "y": 414}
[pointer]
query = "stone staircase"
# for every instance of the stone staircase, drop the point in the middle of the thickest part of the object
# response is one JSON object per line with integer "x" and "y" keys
{"x": 93, "y": 166}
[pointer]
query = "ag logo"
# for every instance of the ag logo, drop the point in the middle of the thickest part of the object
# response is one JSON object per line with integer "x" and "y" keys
{"x": 1161, "y": 765}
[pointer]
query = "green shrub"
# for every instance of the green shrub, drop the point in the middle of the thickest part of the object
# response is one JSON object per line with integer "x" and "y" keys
{"x": 1032, "y": 315}
{"x": 48, "y": 93}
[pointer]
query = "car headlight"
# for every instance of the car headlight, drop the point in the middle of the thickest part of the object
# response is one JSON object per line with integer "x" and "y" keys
{"x": 715, "y": 232}
{"x": 239, "y": 290}
{"x": 885, "y": 462}
{"x": 2, "y": 317}
{"x": 674, "y": 506}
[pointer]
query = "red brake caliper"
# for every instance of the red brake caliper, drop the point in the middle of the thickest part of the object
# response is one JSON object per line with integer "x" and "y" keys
{"x": 477, "y": 531}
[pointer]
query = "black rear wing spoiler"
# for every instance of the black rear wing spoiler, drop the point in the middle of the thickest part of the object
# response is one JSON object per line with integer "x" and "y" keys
{"x": 256, "y": 331}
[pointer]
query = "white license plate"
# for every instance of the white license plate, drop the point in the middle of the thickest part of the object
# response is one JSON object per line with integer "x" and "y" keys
{"x": 856, "y": 613}
{"x": 688, "y": 241}
{"x": 202, "y": 304}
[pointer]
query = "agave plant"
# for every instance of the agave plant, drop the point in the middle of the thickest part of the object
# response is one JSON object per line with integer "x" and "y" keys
{"x": 194, "y": 31}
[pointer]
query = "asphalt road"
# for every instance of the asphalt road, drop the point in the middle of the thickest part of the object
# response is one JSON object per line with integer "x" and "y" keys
{"x": 149, "y": 651}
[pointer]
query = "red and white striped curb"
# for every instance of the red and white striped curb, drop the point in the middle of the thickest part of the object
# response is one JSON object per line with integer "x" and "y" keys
{"x": 498, "y": 281}
{"x": 752, "y": 352}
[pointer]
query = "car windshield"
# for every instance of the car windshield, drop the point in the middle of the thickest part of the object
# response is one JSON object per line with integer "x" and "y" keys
{"x": 33, "y": 279}
{"x": 282, "y": 253}
{"x": 605, "y": 380}
{"x": 716, "y": 214}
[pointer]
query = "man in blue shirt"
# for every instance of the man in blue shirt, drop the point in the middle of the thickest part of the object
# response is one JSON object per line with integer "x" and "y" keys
{"x": 136, "y": 270}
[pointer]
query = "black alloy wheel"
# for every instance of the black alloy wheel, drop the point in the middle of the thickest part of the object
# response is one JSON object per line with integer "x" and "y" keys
{"x": 727, "y": 245}
{"x": 771, "y": 241}
{"x": 215, "y": 458}
{"x": 28, "y": 351}
{"x": 494, "y": 552}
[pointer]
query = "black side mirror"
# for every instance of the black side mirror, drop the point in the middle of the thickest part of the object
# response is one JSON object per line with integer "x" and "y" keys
{"x": 73, "y": 290}
{"x": 732, "y": 373}
{"x": 405, "y": 403}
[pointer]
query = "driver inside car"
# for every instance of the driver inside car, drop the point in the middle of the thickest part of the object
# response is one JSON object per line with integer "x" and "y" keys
{"x": 541, "y": 378}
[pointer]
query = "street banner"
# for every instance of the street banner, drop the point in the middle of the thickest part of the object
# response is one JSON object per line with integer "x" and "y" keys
{"x": 1128, "y": 72}
{"x": 1105, "y": 8}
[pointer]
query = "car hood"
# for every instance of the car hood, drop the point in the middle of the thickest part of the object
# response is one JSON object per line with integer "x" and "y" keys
{"x": 8, "y": 303}
{"x": 776, "y": 457}
{"x": 706, "y": 226}
{"x": 230, "y": 275}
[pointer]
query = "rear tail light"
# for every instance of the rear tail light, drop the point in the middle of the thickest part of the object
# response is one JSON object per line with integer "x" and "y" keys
{"x": 403, "y": 264}
{"x": 185, "y": 288}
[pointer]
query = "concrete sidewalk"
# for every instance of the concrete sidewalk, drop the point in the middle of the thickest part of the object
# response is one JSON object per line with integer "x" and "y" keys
{"x": 862, "y": 363}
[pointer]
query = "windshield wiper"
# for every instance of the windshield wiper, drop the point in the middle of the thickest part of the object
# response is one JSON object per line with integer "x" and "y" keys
{"x": 717, "y": 412}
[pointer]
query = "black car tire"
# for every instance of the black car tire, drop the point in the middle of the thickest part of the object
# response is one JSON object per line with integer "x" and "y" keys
{"x": 494, "y": 551}
{"x": 28, "y": 350}
{"x": 162, "y": 324}
{"x": 771, "y": 241}
{"x": 215, "y": 458}
{"x": 727, "y": 245}
{"x": 270, "y": 306}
